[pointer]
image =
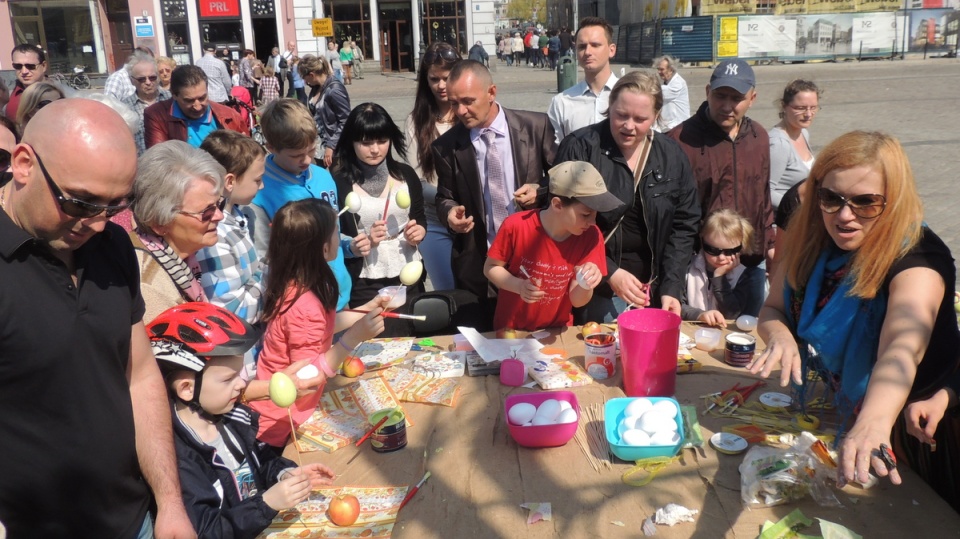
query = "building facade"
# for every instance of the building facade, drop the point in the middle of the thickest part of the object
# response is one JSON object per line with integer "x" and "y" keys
{"x": 100, "y": 34}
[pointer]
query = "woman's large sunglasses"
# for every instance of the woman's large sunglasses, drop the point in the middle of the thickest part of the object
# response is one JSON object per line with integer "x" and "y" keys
{"x": 863, "y": 206}
{"x": 446, "y": 54}
{"x": 73, "y": 207}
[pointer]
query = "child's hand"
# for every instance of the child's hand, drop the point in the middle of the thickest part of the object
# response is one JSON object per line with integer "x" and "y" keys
{"x": 360, "y": 245}
{"x": 367, "y": 327}
{"x": 318, "y": 474}
{"x": 378, "y": 232}
{"x": 713, "y": 318}
{"x": 723, "y": 269}
{"x": 530, "y": 291}
{"x": 291, "y": 490}
{"x": 414, "y": 233}
{"x": 588, "y": 274}
{"x": 305, "y": 386}
{"x": 922, "y": 417}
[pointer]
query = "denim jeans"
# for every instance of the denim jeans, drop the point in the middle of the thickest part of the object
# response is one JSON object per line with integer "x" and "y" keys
{"x": 146, "y": 530}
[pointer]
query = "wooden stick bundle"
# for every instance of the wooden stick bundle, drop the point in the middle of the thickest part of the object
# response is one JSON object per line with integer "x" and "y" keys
{"x": 591, "y": 437}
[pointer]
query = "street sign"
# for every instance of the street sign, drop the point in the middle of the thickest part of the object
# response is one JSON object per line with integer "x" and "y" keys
{"x": 322, "y": 27}
{"x": 143, "y": 27}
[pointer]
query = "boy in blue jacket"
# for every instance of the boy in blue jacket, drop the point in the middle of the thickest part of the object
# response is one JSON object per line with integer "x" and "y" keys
{"x": 233, "y": 486}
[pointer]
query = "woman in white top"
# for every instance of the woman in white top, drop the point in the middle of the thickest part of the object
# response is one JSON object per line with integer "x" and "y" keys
{"x": 790, "y": 154}
{"x": 432, "y": 116}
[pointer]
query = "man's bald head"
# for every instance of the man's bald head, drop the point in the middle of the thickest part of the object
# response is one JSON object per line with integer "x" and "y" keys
{"x": 67, "y": 126}
{"x": 479, "y": 72}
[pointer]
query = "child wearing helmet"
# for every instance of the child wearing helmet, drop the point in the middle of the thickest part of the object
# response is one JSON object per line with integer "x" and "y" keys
{"x": 232, "y": 485}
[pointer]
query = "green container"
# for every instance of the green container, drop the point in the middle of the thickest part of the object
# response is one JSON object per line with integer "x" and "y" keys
{"x": 566, "y": 72}
{"x": 392, "y": 435}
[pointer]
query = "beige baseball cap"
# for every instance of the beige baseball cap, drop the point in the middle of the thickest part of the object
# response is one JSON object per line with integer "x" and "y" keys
{"x": 581, "y": 181}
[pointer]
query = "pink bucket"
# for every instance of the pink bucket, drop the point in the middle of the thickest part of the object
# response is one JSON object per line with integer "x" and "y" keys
{"x": 649, "y": 339}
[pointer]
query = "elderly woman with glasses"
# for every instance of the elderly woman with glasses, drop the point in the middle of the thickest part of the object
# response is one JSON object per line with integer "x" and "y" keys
{"x": 862, "y": 301}
{"x": 177, "y": 206}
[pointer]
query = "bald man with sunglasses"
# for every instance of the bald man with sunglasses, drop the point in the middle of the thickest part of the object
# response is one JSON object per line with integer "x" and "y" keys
{"x": 87, "y": 433}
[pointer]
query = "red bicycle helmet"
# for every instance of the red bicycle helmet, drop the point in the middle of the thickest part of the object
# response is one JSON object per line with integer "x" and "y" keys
{"x": 204, "y": 330}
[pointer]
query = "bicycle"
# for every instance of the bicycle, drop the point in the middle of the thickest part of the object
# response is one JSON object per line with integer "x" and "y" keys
{"x": 80, "y": 79}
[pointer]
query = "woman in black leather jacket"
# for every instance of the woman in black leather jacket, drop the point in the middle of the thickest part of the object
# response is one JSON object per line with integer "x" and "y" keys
{"x": 650, "y": 240}
{"x": 329, "y": 104}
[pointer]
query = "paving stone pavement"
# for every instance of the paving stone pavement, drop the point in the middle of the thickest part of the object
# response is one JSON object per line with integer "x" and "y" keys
{"x": 915, "y": 100}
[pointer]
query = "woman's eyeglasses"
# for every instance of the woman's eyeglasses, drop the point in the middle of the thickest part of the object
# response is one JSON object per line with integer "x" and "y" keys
{"x": 864, "y": 206}
{"x": 73, "y": 207}
{"x": 446, "y": 54}
{"x": 804, "y": 110}
{"x": 207, "y": 214}
{"x": 716, "y": 251}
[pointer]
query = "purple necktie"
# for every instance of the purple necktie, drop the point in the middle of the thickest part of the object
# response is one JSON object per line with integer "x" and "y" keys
{"x": 495, "y": 180}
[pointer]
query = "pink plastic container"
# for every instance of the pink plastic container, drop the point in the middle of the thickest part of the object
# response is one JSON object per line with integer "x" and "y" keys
{"x": 542, "y": 435}
{"x": 649, "y": 339}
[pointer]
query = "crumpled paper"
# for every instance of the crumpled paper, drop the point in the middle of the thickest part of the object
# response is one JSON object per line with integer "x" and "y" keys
{"x": 538, "y": 511}
{"x": 672, "y": 513}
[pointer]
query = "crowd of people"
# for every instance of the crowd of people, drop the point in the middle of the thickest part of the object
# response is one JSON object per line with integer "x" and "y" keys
{"x": 182, "y": 263}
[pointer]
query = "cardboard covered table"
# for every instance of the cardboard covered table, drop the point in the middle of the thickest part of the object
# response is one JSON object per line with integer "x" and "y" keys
{"x": 480, "y": 476}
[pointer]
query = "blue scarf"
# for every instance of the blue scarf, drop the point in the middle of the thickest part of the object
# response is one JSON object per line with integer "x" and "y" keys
{"x": 844, "y": 334}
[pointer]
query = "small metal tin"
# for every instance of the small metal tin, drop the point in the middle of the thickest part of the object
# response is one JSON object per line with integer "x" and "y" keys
{"x": 393, "y": 434}
{"x": 739, "y": 350}
{"x": 600, "y": 358}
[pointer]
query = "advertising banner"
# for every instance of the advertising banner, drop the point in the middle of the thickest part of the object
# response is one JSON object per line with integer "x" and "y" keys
{"x": 790, "y": 7}
{"x": 724, "y": 7}
{"x": 878, "y": 5}
{"x": 831, "y": 6}
{"x": 927, "y": 30}
{"x": 874, "y": 32}
{"x": 767, "y": 36}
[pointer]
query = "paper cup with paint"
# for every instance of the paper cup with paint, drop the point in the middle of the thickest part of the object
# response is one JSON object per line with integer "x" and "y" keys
{"x": 600, "y": 358}
{"x": 397, "y": 295}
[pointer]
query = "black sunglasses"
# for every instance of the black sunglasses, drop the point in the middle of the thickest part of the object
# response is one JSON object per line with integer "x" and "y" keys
{"x": 4, "y": 159}
{"x": 207, "y": 214}
{"x": 74, "y": 207}
{"x": 716, "y": 251}
{"x": 863, "y": 206}
{"x": 444, "y": 53}
{"x": 44, "y": 103}
{"x": 30, "y": 67}
{"x": 141, "y": 80}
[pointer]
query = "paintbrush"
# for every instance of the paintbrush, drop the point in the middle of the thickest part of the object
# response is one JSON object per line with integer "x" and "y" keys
{"x": 391, "y": 314}
{"x": 414, "y": 490}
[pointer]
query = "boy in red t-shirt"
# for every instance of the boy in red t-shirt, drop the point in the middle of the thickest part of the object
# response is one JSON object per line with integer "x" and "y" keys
{"x": 546, "y": 262}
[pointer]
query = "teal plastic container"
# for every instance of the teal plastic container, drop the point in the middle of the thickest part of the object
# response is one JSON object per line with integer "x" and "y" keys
{"x": 613, "y": 415}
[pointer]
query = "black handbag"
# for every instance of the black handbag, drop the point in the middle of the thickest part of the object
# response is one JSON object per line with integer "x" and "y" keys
{"x": 282, "y": 64}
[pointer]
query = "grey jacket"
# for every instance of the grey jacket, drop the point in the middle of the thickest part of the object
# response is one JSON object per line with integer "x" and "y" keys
{"x": 330, "y": 112}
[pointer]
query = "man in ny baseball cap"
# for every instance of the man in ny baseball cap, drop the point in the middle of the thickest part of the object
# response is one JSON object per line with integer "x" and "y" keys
{"x": 580, "y": 181}
{"x": 736, "y": 74}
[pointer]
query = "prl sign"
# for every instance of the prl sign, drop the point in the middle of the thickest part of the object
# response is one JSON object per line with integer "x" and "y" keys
{"x": 219, "y": 8}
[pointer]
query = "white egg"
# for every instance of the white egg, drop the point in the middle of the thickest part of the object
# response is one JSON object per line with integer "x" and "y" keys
{"x": 540, "y": 420}
{"x": 521, "y": 413}
{"x": 638, "y": 406}
{"x": 629, "y": 422}
{"x": 667, "y": 407}
{"x": 665, "y": 437}
{"x": 564, "y": 405}
{"x": 549, "y": 409}
{"x": 654, "y": 421}
{"x": 411, "y": 272}
{"x": 635, "y": 437}
{"x": 746, "y": 323}
{"x": 528, "y": 424}
{"x": 308, "y": 371}
{"x": 567, "y": 416}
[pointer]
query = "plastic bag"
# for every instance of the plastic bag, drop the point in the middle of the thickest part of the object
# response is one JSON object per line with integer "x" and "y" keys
{"x": 771, "y": 476}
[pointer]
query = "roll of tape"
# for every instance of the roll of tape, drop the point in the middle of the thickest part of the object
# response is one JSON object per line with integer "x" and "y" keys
{"x": 807, "y": 422}
{"x": 775, "y": 402}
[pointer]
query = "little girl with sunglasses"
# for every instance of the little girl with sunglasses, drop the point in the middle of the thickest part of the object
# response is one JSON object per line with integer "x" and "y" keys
{"x": 719, "y": 287}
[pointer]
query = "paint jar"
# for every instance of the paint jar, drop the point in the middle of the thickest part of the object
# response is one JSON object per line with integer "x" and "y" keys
{"x": 600, "y": 358}
{"x": 740, "y": 349}
{"x": 392, "y": 435}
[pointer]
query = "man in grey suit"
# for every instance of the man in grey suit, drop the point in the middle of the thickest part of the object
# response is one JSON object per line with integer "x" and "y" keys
{"x": 494, "y": 162}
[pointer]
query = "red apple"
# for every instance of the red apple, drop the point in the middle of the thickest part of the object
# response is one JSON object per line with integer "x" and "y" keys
{"x": 344, "y": 510}
{"x": 353, "y": 367}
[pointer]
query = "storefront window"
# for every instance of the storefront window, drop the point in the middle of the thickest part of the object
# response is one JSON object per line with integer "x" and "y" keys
{"x": 62, "y": 27}
{"x": 444, "y": 20}
{"x": 351, "y": 21}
